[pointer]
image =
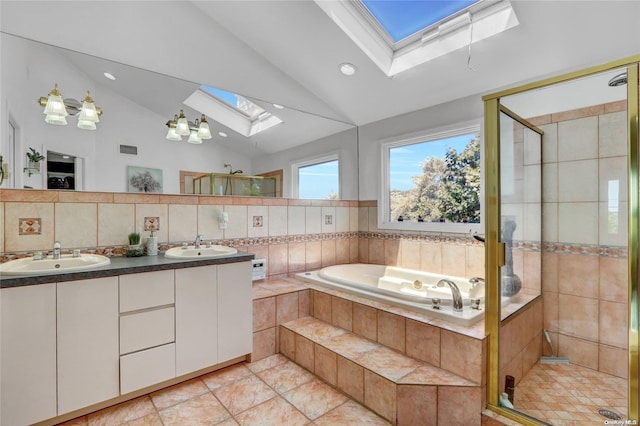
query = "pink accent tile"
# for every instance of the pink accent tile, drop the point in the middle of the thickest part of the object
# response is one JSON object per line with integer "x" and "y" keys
{"x": 459, "y": 406}
{"x": 431, "y": 257}
{"x": 531, "y": 353}
{"x": 322, "y": 306}
{"x": 354, "y": 246}
{"x": 577, "y": 315}
{"x": 260, "y": 292}
{"x": 388, "y": 363}
{"x": 287, "y": 343}
{"x": 122, "y": 413}
{"x": 303, "y": 303}
{"x": 244, "y": 394}
{"x": 297, "y": 255}
{"x": 550, "y": 301}
{"x": 264, "y": 344}
{"x": 178, "y": 393}
{"x": 614, "y": 285}
{"x": 202, "y": 410}
{"x": 417, "y": 405}
{"x": 264, "y": 313}
{"x": 392, "y": 252}
{"x": 580, "y": 352}
{"x": 550, "y": 272}
{"x": 315, "y": 330}
{"x": 350, "y": 414}
{"x": 475, "y": 261}
{"x": 313, "y": 255}
{"x": 266, "y": 363}
{"x": 285, "y": 376}
{"x": 365, "y": 321}
{"x": 578, "y": 275}
{"x": 328, "y": 252}
{"x": 278, "y": 260}
{"x": 350, "y": 345}
{"x": 452, "y": 260}
{"x": 429, "y": 375}
{"x": 376, "y": 252}
{"x": 410, "y": 253}
{"x": 228, "y": 375}
{"x": 380, "y": 395}
{"x": 287, "y": 307}
{"x": 304, "y": 352}
{"x": 152, "y": 419}
{"x": 363, "y": 250}
{"x": 613, "y": 361}
{"x": 577, "y": 113}
{"x": 423, "y": 342}
{"x": 274, "y": 412}
{"x": 391, "y": 331}
{"x": 342, "y": 251}
{"x": 342, "y": 313}
{"x": 326, "y": 365}
{"x": 532, "y": 271}
{"x": 315, "y": 398}
{"x": 464, "y": 355}
{"x": 614, "y": 324}
{"x": 350, "y": 378}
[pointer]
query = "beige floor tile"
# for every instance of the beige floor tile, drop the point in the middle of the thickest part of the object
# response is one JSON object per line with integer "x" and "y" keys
{"x": 275, "y": 412}
{"x": 225, "y": 376}
{"x": 285, "y": 377}
{"x": 122, "y": 413}
{"x": 315, "y": 398}
{"x": 350, "y": 414}
{"x": 267, "y": 363}
{"x": 202, "y": 410}
{"x": 244, "y": 394}
{"x": 178, "y": 393}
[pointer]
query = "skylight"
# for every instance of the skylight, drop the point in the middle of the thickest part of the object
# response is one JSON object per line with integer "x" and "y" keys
{"x": 232, "y": 110}
{"x": 403, "y": 18}
{"x": 399, "y": 35}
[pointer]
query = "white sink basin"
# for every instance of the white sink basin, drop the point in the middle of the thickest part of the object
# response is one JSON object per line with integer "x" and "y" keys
{"x": 67, "y": 263}
{"x": 199, "y": 253}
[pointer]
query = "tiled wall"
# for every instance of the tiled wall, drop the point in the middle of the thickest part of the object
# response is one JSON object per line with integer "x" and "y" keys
{"x": 293, "y": 235}
{"x": 584, "y": 264}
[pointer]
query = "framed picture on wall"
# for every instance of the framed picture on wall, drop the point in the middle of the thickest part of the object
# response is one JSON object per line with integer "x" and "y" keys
{"x": 144, "y": 179}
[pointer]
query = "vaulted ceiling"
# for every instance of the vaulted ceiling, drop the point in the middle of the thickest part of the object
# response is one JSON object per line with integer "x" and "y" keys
{"x": 288, "y": 52}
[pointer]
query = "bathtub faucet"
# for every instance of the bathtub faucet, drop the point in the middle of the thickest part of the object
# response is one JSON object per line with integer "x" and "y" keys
{"x": 455, "y": 293}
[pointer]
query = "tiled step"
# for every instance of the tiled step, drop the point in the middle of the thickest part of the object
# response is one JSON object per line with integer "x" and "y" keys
{"x": 401, "y": 389}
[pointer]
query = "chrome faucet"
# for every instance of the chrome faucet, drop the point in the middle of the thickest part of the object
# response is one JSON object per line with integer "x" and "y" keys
{"x": 56, "y": 250}
{"x": 199, "y": 238}
{"x": 475, "y": 281}
{"x": 455, "y": 293}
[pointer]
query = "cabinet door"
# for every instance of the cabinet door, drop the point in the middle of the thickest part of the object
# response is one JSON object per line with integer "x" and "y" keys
{"x": 88, "y": 355}
{"x": 145, "y": 368}
{"x": 235, "y": 310}
{"x": 28, "y": 345}
{"x": 196, "y": 319}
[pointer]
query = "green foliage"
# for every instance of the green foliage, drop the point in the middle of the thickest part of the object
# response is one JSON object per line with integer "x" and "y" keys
{"x": 447, "y": 190}
{"x": 34, "y": 156}
{"x": 134, "y": 238}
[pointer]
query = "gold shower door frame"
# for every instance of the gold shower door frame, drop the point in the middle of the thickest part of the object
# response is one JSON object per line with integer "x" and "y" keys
{"x": 495, "y": 249}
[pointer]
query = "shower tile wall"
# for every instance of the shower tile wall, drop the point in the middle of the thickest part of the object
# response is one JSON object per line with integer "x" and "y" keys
{"x": 584, "y": 264}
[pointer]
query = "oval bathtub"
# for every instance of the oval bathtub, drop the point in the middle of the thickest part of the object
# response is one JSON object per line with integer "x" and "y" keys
{"x": 398, "y": 287}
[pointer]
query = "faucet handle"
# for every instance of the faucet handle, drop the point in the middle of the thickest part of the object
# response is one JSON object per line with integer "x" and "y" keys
{"x": 57, "y": 245}
{"x": 475, "y": 281}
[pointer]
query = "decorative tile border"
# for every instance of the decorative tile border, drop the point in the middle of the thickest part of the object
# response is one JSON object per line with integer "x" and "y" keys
{"x": 29, "y": 226}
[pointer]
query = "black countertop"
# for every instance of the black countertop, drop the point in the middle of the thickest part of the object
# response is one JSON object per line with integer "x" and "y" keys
{"x": 122, "y": 266}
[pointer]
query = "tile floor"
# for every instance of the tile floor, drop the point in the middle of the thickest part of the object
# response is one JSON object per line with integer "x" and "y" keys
{"x": 272, "y": 391}
{"x": 568, "y": 395}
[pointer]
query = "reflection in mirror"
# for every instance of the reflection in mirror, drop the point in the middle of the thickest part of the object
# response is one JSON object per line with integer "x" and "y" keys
{"x": 131, "y": 131}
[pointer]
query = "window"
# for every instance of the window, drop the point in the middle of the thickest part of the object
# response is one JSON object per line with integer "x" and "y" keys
{"x": 433, "y": 182}
{"x": 317, "y": 179}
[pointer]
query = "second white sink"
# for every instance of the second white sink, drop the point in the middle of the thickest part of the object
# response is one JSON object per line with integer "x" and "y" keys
{"x": 196, "y": 253}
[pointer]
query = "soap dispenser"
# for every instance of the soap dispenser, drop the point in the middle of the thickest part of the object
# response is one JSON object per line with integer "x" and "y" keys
{"x": 152, "y": 245}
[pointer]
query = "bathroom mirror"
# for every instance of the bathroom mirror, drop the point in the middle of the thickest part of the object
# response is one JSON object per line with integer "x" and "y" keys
{"x": 132, "y": 131}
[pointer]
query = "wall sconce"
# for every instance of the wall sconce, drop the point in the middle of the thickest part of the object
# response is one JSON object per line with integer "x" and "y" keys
{"x": 56, "y": 110}
{"x": 4, "y": 170}
{"x": 180, "y": 126}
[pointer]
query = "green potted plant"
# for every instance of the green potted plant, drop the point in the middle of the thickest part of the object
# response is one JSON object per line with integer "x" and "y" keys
{"x": 134, "y": 249}
{"x": 34, "y": 158}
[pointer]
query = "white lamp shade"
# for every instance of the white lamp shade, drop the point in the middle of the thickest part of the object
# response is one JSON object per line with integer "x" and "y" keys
{"x": 58, "y": 120}
{"x": 182, "y": 127}
{"x": 172, "y": 135}
{"x": 55, "y": 106}
{"x": 86, "y": 125}
{"x": 193, "y": 138}
{"x": 203, "y": 130}
{"x": 88, "y": 112}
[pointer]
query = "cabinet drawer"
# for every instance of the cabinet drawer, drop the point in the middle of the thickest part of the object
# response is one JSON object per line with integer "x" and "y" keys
{"x": 146, "y": 368}
{"x": 146, "y": 329}
{"x": 146, "y": 290}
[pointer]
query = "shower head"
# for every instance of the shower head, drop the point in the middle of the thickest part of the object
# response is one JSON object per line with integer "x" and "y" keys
{"x": 618, "y": 80}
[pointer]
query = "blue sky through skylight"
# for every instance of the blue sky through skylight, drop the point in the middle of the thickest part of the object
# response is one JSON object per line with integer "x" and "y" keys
{"x": 406, "y": 161}
{"x": 228, "y": 97}
{"x": 401, "y": 18}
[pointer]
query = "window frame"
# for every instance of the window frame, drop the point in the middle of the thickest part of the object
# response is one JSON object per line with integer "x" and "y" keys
{"x": 311, "y": 161}
{"x": 428, "y": 135}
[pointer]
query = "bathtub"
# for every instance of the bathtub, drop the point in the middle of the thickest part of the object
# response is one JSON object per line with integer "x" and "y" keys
{"x": 398, "y": 287}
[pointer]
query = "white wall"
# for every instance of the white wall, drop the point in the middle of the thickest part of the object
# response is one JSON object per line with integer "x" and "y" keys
{"x": 343, "y": 143}
{"x": 372, "y": 135}
{"x": 123, "y": 122}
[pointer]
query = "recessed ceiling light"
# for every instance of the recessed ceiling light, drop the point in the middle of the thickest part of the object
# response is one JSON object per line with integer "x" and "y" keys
{"x": 347, "y": 69}
{"x": 66, "y": 157}
{"x": 278, "y": 106}
{"x": 223, "y": 134}
{"x": 109, "y": 76}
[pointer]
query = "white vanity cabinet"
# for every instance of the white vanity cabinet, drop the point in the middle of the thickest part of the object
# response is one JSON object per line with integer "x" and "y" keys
{"x": 87, "y": 322}
{"x": 235, "y": 311}
{"x": 28, "y": 345}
